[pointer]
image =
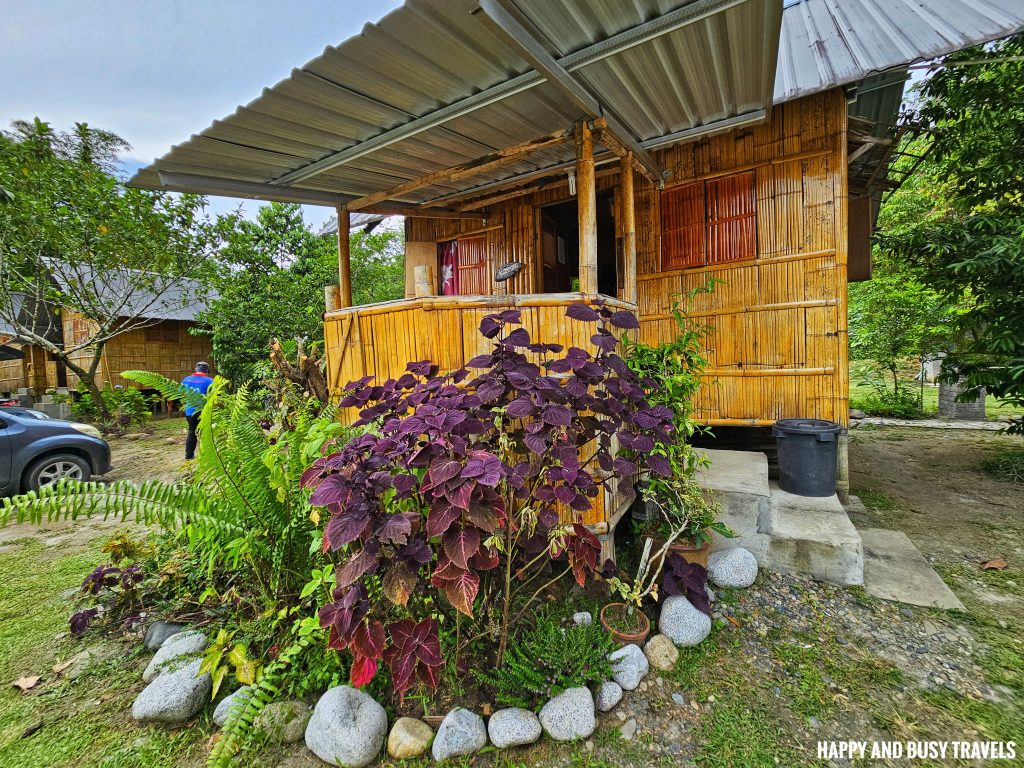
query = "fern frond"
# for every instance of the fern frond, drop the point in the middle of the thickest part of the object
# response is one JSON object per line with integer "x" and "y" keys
{"x": 240, "y": 720}
{"x": 168, "y": 389}
{"x": 171, "y": 506}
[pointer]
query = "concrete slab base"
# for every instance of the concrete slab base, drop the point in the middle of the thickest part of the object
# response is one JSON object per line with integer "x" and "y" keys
{"x": 895, "y": 570}
{"x": 738, "y": 481}
{"x": 813, "y": 535}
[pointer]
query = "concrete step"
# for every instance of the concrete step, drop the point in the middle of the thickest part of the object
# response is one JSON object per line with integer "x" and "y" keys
{"x": 785, "y": 532}
{"x": 812, "y": 535}
{"x": 894, "y": 569}
{"x": 739, "y": 482}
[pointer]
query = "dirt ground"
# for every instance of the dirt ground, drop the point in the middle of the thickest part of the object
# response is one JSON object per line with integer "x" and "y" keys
{"x": 928, "y": 483}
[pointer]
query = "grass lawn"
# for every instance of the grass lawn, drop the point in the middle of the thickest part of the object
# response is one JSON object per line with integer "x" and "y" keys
{"x": 83, "y": 722}
{"x": 994, "y": 409}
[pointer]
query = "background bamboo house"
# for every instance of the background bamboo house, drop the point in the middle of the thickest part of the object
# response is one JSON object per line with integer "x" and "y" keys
{"x": 615, "y": 151}
{"x": 159, "y": 340}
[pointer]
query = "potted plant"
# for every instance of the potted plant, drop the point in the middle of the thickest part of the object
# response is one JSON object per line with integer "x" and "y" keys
{"x": 625, "y": 620}
{"x": 683, "y": 508}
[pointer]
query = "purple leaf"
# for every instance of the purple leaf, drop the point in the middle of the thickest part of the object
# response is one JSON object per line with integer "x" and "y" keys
{"x": 520, "y": 337}
{"x": 520, "y": 407}
{"x": 461, "y": 545}
{"x": 659, "y": 465}
{"x": 443, "y": 469}
{"x": 582, "y": 312}
{"x": 625, "y": 319}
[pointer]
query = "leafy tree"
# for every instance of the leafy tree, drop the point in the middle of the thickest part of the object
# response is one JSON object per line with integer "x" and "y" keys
{"x": 970, "y": 247}
{"x": 893, "y": 317}
{"x": 73, "y": 237}
{"x": 271, "y": 276}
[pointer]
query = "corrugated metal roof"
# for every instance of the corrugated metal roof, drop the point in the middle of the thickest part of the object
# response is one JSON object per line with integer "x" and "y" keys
{"x": 826, "y": 43}
{"x": 393, "y": 103}
{"x": 180, "y": 298}
{"x": 433, "y": 54}
{"x": 365, "y": 221}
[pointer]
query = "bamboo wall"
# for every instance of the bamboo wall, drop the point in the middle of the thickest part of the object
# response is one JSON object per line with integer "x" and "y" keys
{"x": 34, "y": 370}
{"x": 381, "y": 339}
{"x": 166, "y": 348}
{"x": 779, "y": 342}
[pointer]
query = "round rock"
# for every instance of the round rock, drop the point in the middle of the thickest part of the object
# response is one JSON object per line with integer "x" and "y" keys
{"x": 239, "y": 698}
{"x": 409, "y": 738}
{"x": 629, "y": 666}
{"x": 570, "y": 715}
{"x": 347, "y": 728}
{"x": 734, "y": 568}
{"x": 662, "y": 653}
{"x": 283, "y": 722}
{"x": 461, "y": 733}
{"x": 683, "y": 624}
{"x": 583, "y": 618}
{"x": 158, "y": 632}
{"x": 608, "y": 695}
{"x": 174, "y": 652}
{"x": 173, "y": 697}
{"x": 513, "y": 727}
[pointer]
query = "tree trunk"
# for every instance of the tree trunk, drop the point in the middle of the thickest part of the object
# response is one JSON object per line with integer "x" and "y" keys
{"x": 87, "y": 377}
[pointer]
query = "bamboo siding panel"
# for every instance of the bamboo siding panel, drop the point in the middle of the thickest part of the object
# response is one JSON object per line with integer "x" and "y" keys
{"x": 13, "y": 373}
{"x": 166, "y": 348}
{"x": 779, "y": 341}
{"x": 778, "y": 344}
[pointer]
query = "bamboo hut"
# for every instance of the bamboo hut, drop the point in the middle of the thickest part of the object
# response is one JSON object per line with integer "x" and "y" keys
{"x": 157, "y": 337}
{"x": 614, "y": 151}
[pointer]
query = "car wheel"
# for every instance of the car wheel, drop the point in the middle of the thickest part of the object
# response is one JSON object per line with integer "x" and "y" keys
{"x": 50, "y": 469}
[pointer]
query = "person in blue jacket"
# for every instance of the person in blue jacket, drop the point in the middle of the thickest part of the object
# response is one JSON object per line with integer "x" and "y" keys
{"x": 200, "y": 381}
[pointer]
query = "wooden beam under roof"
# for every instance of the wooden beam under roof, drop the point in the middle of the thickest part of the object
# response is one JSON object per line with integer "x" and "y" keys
{"x": 211, "y": 185}
{"x": 501, "y": 14}
{"x": 475, "y": 167}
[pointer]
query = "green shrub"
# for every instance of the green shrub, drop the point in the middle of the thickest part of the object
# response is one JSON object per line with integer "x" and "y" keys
{"x": 127, "y": 407}
{"x": 899, "y": 404}
{"x": 546, "y": 660}
{"x": 1006, "y": 465}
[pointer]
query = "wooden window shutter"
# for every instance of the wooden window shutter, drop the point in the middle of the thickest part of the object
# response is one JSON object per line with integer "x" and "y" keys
{"x": 473, "y": 277}
{"x": 732, "y": 218}
{"x": 682, "y": 226}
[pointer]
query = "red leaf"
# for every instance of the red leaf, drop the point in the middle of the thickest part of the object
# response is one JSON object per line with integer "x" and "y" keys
{"x": 460, "y": 545}
{"x": 363, "y": 670}
{"x": 461, "y": 591}
{"x": 485, "y": 560}
{"x": 440, "y": 518}
{"x": 356, "y": 566}
{"x": 368, "y": 640}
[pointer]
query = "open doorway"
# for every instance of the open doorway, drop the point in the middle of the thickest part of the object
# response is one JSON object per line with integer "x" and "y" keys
{"x": 560, "y": 247}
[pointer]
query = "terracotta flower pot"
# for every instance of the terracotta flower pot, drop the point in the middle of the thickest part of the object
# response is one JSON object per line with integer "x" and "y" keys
{"x": 685, "y": 549}
{"x": 626, "y": 638}
{"x": 692, "y": 554}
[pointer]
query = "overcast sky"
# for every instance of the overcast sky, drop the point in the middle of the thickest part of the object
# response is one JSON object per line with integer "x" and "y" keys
{"x": 157, "y": 71}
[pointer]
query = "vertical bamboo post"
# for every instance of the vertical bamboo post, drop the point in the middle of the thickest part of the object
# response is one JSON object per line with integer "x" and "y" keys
{"x": 629, "y": 292}
{"x": 344, "y": 258}
{"x": 586, "y": 201}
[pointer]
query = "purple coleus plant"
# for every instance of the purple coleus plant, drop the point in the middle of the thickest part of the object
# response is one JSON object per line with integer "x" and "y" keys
{"x": 489, "y": 467}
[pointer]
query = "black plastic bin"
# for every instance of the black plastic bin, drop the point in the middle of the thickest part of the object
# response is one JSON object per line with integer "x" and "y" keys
{"x": 807, "y": 455}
